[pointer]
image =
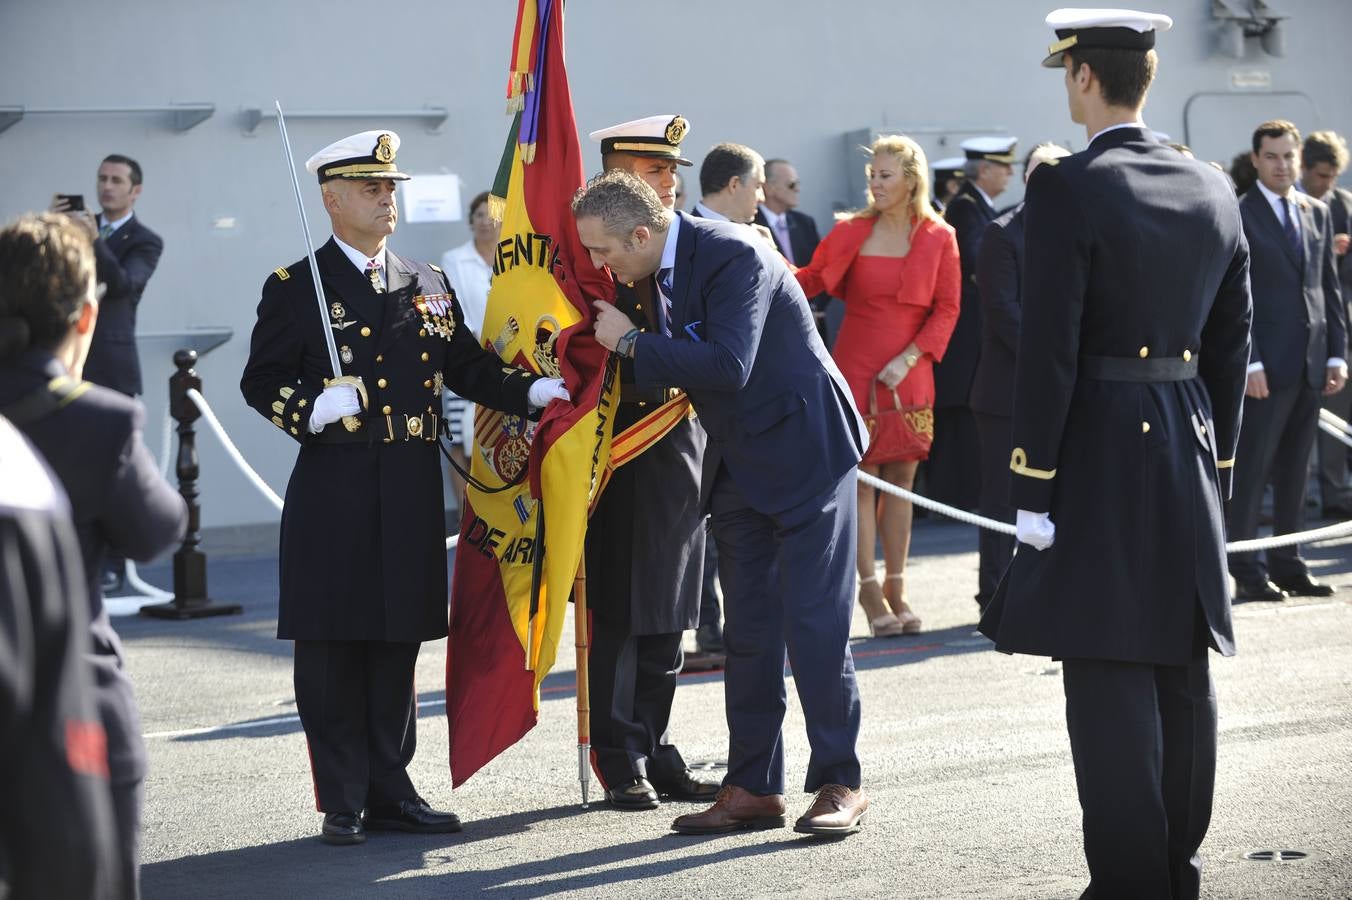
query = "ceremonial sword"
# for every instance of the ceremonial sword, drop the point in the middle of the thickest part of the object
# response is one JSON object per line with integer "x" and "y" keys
{"x": 351, "y": 423}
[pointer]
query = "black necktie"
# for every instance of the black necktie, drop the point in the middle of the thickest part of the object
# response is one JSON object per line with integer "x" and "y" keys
{"x": 1289, "y": 226}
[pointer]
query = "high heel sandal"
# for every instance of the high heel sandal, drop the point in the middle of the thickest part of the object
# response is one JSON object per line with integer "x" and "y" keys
{"x": 902, "y": 612}
{"x": 881, "y": 623}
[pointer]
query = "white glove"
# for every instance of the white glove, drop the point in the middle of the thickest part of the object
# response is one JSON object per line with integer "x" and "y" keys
{"x": 1035, "y": 529}
{"x": 334, "y": 403}
{"x": 543, "y": 390}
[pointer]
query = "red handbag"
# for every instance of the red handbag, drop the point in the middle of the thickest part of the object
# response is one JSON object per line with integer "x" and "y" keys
{"x": 898, "y": 431}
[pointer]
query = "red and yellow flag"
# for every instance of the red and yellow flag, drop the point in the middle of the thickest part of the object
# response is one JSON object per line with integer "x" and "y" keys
{"x": 509, "y": 597}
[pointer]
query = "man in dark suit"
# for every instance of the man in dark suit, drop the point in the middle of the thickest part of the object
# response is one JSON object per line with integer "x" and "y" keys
{"x": 127, "y": 253}
{"x": 645, "y": 541}
{"x": 999, "y": 272}
{"x": 1299, "y": 352}
{"x": 58, "y": 837}
{"x": 1127, "y": 398}
{"x": 118, "y": 499}
{"x": 795, "y": 232}
{"x": 1323, "y": 158}
{"x": 363, "y": 555}
{"x": 737, "y": 335}
{"x": 953, "y": 472}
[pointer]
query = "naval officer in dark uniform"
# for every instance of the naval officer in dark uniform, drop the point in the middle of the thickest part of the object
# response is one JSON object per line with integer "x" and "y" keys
{"x": 953, "y": 471}
{"x": 645, "y": 541}
{"x": 91, "y": 437}
{"x": 363, "y": 556}
{"x": 1127, "y": 401}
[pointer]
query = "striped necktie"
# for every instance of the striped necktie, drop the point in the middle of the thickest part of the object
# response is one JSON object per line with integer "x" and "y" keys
{"x": 664, "y": 291}
{"x": 105, "y": 231}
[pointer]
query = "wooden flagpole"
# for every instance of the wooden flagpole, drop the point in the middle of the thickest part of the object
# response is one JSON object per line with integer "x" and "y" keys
{"x": 582, "y": 643}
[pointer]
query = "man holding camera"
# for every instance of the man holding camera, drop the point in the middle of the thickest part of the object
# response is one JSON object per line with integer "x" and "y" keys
{"x": 127, "y": 253}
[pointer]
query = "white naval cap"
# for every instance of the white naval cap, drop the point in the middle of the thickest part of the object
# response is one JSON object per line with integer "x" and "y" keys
{"x": 366, "y": 155}
{"x": 656, "y": 136}
{"x": 991, "y": 149}
{"x": 950, "y": 165}
{"x": 1121, "y": 29}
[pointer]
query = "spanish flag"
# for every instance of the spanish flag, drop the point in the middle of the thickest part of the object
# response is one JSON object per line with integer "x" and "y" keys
{"x": 509, "y": 596}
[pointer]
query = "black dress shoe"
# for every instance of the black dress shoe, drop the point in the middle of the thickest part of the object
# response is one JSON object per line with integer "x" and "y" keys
{"x": 689, "y": 788}
{"x": 634, "y": 794}
{"x": 411, "y": 815}
{"x": 342, "y": 828}
{"x": 1249, "y": 591}
{"x": 1304, "y": 586}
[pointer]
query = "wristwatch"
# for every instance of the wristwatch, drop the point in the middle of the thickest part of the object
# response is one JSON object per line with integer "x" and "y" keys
{"x": 911, "y": 359}
{"x": 625, "y": 345}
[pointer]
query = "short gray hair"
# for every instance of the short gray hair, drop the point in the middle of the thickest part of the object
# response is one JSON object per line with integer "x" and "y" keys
{"x": 622, "y": 202}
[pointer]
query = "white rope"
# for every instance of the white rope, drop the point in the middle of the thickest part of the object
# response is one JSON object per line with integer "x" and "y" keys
{"x": 1327, "y": 533}
{"x": 166, "y": 445}
{"x": 1335, "y": 427}
{"x": 207, "y": 413}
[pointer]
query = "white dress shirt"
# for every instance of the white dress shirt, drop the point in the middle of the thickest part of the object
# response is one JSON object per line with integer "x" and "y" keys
{"x": 708, "y": 213}
{"x": 361, "y": 260}
{"x": 779, "y": 227}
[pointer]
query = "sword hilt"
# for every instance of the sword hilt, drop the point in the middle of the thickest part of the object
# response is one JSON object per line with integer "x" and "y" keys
{"x": 351, "y": 423}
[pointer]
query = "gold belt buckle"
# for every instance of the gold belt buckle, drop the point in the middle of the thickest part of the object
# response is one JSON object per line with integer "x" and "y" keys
{"x": 414, "y": 425}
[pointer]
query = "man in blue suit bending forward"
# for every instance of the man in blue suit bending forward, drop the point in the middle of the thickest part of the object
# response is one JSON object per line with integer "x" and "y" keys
{"x": 736, "y": 333}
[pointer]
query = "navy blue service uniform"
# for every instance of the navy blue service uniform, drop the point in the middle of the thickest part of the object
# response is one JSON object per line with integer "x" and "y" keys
{"x": 121, "y": 505}
{"x": 1127, "y": 400}
{"x": 57, "y": 837}
{"x": 363, "y": 556}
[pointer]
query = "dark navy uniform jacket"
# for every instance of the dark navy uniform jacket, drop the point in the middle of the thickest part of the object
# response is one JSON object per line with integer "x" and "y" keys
{"x": 125, "y": 259}
{"x": 58, "y": 838}
{"x": 363, "y": 553}
{"x": 969, "y": 214}
{"x": 1136, "y": 254}
{"x": 91, "y": 437}
{"x": 645, "y": 539}
{"x": 999, "y": 273}
{"x": 744, "y": 347}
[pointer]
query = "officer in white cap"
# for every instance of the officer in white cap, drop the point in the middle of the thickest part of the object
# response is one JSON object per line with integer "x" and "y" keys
{"x": 1131, "y": 372}
{"x": 948, "y": 175}
{"x": 363, "y": 556}
{"x": 645, "y": 541}
{"x": 954, "y": 468}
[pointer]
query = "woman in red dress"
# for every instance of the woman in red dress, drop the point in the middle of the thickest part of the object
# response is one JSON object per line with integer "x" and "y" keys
{"x": 895, "y": 264}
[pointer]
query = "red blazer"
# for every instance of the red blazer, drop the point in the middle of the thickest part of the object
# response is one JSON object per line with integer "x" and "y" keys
{"x": 933, "y": 274}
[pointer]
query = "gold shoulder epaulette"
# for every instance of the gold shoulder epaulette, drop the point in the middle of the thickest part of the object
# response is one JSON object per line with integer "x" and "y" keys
{"x": 434, "y": 267}
{"x": 281, "y": 273}
{"x": 1055, "y": 161}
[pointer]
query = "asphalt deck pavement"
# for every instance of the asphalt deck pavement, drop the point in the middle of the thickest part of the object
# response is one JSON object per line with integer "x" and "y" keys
{"x": 964, "y": 751}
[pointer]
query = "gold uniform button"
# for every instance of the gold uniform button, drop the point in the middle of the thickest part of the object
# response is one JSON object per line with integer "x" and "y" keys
{"x": 422, "y": 332}
{"x": 381, "y": 382}
{"x": 380, "y": 358}
{"x": 1145, "y": 428}
{"x": 385, "y": 410}
{"x": 366, "y": 331}
{"x": 1145, "y": 351}
{"x": 1187, "y": 356}
{"x": 1202, "y": 428}
{"x": 425, "y": 357}
{"x": 427, "y": 383}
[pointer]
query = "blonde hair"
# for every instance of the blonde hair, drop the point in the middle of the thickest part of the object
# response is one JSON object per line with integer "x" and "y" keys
{"x": 914, "y": 165}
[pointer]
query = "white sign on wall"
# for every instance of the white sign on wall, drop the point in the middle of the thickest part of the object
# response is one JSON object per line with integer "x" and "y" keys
{"x": 431, "y": 198}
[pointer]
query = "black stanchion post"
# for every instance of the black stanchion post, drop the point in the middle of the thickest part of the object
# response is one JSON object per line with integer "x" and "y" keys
{"x": 190, "y": 563}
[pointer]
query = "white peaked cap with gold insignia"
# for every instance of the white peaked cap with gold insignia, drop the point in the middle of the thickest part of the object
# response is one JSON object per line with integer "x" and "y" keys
{"x": 992, "y": 149}
{"x": 366, "y": 155}
{"x": 1120, "y": 29}
{"x": 656, "y": 136}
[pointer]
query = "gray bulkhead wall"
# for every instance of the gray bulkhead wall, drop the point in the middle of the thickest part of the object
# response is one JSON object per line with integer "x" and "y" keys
{"x": 791, "y": 78}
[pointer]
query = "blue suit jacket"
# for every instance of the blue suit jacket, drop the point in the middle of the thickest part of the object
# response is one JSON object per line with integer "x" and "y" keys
{"x": 744, "y": 347}
{"x": 125, "y": 261}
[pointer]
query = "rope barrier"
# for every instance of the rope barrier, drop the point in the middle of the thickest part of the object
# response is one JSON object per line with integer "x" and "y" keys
{"x": 257, "y": 480}
{"x": 1335, "y": 427}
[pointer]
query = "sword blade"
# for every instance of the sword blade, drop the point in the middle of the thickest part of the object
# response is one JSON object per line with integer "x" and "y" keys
{"x": 309, "y": 247}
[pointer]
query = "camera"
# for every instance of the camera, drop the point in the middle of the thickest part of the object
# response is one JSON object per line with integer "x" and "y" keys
{"x": 74, "y": 202}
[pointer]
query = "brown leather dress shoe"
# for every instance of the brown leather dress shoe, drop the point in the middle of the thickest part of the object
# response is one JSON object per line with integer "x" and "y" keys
{"x": 736, "y": 809}
{"x": 837, "y": 810}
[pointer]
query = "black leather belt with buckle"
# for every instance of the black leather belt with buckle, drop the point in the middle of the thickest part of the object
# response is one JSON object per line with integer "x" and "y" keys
{"x": 632, "y": 394}
{"x": 385, "y": 429}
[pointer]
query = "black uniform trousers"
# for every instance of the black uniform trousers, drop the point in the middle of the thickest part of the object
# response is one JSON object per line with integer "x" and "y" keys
{"x": 358, "y": 705}
{"x": 633, "y": 681}
{"x": 1143, "y": 739}
{"x": 709, "y": 612}
{"x": 995, "y": 550}
{"x": 788, "y": 585}
{"x": 1275, "y": 443}
{"x": 953, "y": 470}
